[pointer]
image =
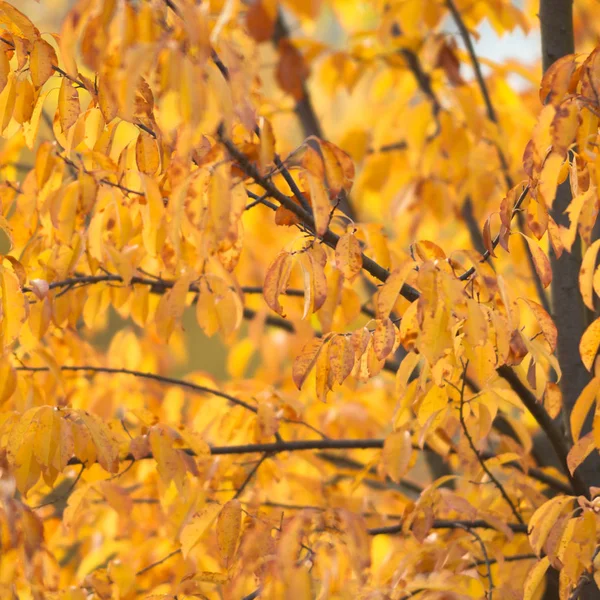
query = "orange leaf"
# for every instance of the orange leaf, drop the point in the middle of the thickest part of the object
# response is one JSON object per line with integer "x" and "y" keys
{"x": 291, "y": 70}
{"x": 259, "y": 22}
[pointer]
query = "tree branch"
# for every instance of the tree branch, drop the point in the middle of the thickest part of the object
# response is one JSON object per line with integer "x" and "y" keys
{"x": 547, "y": 424}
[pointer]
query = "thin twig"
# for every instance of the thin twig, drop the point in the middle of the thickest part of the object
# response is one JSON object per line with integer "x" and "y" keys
{"x": 493, "y": 117}
{"x": 250, "y": 475}
{"x": 142, "y": 375}
{"x": 479, "y": 458}
{"x": 449, "y": 524}
{"x": 547, "y": 425}
{"x": 329, "y": 238}
{"x": 158, "y": 562}
{"x": 67, "y": 492}
{"x": 469, "y": 272}
{"x": 486, "y": 559}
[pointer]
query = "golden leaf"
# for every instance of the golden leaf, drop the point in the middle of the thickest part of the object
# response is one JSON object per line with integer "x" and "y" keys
{"x": 348, "y": 256}
{"x": 229, "y": 525}
{"x": 396, "y": 455}
{"x": 68, "y": 104}
{"x": 42, "y": 61}
{"x": 195, "y": 530}
{"x": 588, "y": 346}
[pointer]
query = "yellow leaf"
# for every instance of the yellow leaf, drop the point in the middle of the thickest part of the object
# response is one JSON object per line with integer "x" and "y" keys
{"x": 588, "y": 345}
{"x": 545, "y": 322}
{"x": 68, "y": 104}
{"x": 581, "y": 450}
{"x": 535, "y": 578}
{"x": 24, "y": 101}
{"x": 341, "y": 358}
{"x": 20, "y": 451}
{"x": 549, "y": 178}
{"x": 14, "y": 306}
{"x": 229, "y": 526}
{"x": 387, "y": 295}
{"x": 396, "y": 455}
{"x": 17, "y": 22}
{"x": 543, "y": 519}
{"x": 582, "y": 406}
{"x": 105, "y": 444}
{"x": 348, "y": 256}
{"x": 540, "y": 261}
{"x": 194, "y": 531}
{"x": 384, "y": 338}
{"x": 219, "y": 199}
{"x": 267, "y": 145}
{"x": 4, "y": 70}
{"x": 7, "y": 102}
{"x": 322, "y": 376}
{"x": 168, "y": 459}
{"x": 147, "y": 155}
{"x": 42, "y": 62}
{"x": 552, "y": 399}
{"x": 434, "y": 401}
{"x": 31, "y": 128}
{"x": 76, "y": 503}
{"x": 320, "y": 203}
{"x": 586, "y": 274}
{"x": 277, "y": 280}
{"x": 315, "y": 282}
{"x": 306, "y": 360}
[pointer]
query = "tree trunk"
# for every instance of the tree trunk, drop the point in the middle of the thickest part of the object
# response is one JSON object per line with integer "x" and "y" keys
{"x": 569, "y": 312}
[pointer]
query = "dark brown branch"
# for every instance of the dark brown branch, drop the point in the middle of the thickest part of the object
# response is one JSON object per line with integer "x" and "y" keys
{"x": 547, "y": 424}
{"x": 422, "y": 78}
{"x": 513, "y": 558}
{"x": 251, "y": 474}
{"x": 329, "y": 238}
{"x": 158, "y": 562}
{"x": 449, "y": 524}
{"x": 466, "y": 37}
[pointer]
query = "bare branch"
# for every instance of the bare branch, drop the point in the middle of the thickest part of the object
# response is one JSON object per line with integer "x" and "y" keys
{"x": 158, "y": 562}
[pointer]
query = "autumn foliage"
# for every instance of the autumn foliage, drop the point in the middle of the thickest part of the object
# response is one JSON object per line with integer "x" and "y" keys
{"x": 396, "y": 243}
